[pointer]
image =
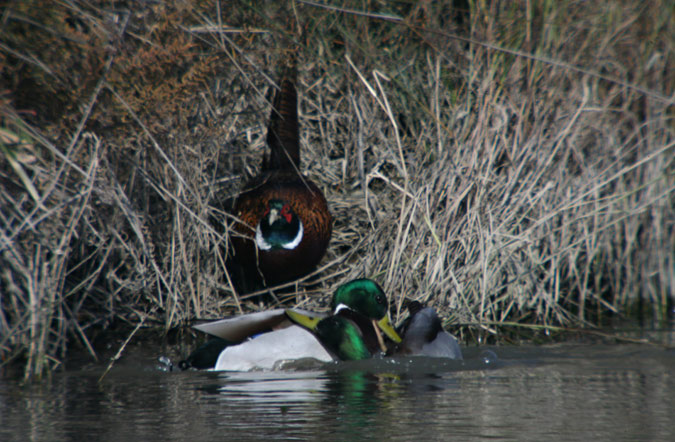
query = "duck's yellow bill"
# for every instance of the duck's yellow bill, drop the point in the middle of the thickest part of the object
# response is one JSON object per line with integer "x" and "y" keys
{"x": 388, "y": 330}
{"x": 304, "y": 320}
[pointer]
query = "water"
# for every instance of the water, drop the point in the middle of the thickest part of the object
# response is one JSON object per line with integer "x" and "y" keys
{"x": 562, "y": 392}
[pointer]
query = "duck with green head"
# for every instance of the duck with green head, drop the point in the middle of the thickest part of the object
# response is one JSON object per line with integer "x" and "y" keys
{"x": 360, "y": 312}
{"x": 262, "y": 340}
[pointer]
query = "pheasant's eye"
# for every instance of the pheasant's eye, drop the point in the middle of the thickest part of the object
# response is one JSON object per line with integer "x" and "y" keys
{"x": 286, "y": 213}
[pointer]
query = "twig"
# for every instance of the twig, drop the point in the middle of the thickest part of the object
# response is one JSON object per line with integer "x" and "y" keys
{"x": 121, "y": 349}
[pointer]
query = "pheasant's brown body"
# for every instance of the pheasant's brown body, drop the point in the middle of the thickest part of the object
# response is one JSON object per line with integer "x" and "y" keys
{"x": 281, "y": 181}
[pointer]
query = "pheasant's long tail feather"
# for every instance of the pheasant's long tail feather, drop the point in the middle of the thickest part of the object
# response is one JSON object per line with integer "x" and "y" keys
{"x": 283, "y": 136}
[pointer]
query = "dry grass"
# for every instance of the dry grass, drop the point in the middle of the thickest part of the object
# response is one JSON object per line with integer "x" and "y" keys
{"x": 507, "y": 164}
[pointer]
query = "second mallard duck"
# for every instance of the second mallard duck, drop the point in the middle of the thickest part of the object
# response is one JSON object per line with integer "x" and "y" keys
{"x": 263, "y": 340}
{"x": 423, "y": 335}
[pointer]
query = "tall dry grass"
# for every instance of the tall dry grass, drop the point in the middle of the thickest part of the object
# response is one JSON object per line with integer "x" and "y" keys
{"x": 509, "y": 163}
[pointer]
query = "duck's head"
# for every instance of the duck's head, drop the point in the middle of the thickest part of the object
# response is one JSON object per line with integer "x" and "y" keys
{"x": 365, "y": 298}
{"x": 360, "y": 312}
{"x": 279, "y": 227}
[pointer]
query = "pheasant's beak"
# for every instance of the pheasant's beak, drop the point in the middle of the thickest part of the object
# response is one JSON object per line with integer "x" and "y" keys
{"x": 273, "y": 216}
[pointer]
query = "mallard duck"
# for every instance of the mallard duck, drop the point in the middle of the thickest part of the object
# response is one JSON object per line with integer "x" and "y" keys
{"x": 423, "y": 335}
{"x": 264, "y": 339}
{"x": 360, "y": 311}
{"x": 285, "y": 222}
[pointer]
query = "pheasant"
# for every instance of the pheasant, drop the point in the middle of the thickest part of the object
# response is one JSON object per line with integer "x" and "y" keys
{"x": 285, "y": 224}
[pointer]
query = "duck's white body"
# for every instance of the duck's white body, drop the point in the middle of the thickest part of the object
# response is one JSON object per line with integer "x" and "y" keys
{"x": 269, "y": 350}
{"x": 262, "y": 349}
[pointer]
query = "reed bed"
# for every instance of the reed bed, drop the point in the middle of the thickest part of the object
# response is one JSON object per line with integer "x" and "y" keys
{"x": 511, "y": 164}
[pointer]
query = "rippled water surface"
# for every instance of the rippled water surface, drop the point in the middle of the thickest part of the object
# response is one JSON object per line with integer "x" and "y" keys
{"x": 563, "y": 392}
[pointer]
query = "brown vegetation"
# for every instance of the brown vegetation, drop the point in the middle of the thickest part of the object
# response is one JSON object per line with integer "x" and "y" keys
{"x": 510, "y": 163}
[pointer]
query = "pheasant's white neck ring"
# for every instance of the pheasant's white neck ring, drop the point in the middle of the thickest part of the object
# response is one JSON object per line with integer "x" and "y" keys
{"x": 264, "y": 245}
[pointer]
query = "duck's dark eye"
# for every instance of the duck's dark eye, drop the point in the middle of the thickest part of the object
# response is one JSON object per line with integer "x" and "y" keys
{"x": 380, "y": 299}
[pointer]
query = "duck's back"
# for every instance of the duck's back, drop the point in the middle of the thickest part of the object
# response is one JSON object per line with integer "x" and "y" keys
{"x": 425, "y": 336}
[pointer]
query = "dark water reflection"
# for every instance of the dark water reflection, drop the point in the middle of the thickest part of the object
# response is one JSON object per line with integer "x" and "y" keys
{"x": 565, "y": 392}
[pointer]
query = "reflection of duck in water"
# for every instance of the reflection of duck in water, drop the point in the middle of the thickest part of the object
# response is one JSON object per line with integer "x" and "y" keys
{"x": 262, "y": 340}
{"x": 423, "y": 335}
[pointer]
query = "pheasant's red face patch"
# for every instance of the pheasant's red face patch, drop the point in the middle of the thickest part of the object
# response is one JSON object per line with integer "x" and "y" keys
{"x": 286, "y": 213}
